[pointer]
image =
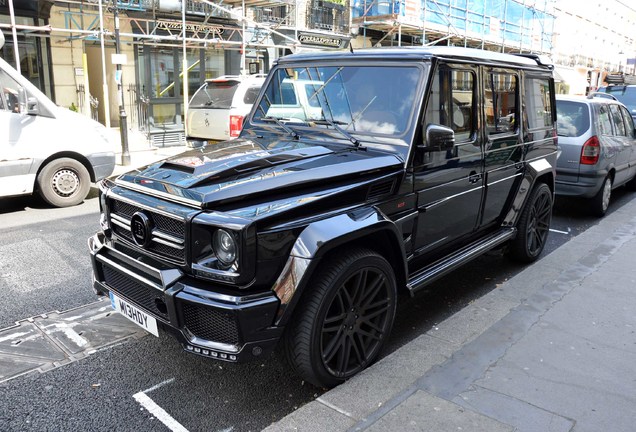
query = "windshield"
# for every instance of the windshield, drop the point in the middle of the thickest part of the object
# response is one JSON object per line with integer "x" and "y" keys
{"x": 215, "y": 94}
{"x": 361, "y": 99}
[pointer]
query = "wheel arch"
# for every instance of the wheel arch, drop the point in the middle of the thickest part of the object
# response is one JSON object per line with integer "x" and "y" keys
{"x": 71, "y": 155}
{"x": 367, "y": 228}
{"x": 539, "y": 171}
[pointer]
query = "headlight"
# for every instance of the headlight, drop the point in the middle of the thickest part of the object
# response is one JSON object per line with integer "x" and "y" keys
{"x": 225, "y": 247}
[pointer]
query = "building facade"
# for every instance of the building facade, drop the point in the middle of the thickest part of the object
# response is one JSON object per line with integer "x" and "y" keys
{"x": 592, "y": 39}
{"x": 66, "y": 47}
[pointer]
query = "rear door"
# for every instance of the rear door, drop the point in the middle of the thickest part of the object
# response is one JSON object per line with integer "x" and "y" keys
{"x": 503, "y": 159}
{"x": 573, "y": 129}
{"x": 449, "y": 182}
{"x": 209, "y": 109}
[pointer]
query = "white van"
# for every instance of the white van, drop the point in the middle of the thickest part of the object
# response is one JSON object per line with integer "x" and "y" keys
{"x": 46, "y": 148}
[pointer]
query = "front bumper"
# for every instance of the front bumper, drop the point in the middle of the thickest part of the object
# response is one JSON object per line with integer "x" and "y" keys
{"x": 214, "y": 323}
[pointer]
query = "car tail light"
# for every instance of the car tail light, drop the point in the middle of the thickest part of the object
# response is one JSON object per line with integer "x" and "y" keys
{"x": 236, "y": 124}
{"x": 591, "y": 151}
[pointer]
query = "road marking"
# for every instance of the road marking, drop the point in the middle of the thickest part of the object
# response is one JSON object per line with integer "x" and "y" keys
{"x": 559, "y": 232}
{"x": 161, "y": 384}
{"x": 158, "y": 412}
{"x": 154, "y": 409}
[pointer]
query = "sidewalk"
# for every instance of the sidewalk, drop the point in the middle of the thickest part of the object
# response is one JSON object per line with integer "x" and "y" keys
{"x": 552, "y": 349}
{"x": 141, "y": 151}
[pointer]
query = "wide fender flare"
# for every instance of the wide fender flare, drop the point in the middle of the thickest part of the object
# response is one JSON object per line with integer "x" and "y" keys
{"x": 320, "y": 238}
{"x": 542, "y": 168}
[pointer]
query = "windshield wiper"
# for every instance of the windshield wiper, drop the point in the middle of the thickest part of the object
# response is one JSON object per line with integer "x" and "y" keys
{"x": 279, "y": 122}
{"x": 336, "y": 125}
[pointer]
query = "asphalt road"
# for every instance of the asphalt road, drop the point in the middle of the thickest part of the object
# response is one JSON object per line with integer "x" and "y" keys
{"x": 44, "y": 266}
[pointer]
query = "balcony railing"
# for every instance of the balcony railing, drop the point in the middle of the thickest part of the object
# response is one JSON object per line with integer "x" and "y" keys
{"x": 328, "y": 16}
{"x": 278, "y": 15}
{"x": 192, "y": 7}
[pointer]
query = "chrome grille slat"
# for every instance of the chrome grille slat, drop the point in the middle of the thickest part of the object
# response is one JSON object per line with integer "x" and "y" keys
{"x": 167, "y": 236}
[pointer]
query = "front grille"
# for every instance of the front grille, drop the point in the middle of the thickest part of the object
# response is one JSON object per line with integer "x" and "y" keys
{"x": 139, "y": 294}
{"x": 210, "y": 324}
{"x": 168, "y": 234}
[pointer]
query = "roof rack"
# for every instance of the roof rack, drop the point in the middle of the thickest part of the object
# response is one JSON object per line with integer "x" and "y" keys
{"x": 620, "y": 78}
{"x": 601, "y": 95}
{"x": 540, "y": 59}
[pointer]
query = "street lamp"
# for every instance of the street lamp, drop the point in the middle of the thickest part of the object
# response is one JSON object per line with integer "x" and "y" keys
{"x": 119, "y": 60}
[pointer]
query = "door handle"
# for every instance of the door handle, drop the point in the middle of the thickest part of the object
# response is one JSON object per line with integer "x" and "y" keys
{"x": 474, "y": 177}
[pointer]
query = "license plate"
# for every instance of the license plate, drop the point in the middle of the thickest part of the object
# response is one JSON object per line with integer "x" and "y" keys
{"x": 134, "y": 314}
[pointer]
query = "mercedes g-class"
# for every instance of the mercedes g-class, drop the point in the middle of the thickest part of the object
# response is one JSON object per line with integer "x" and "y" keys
{"x": 396, "y": 167}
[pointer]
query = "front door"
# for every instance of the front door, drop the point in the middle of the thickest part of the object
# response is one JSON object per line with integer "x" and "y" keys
{"x": 16, "y": 132}
{"x": 449, "y": 182}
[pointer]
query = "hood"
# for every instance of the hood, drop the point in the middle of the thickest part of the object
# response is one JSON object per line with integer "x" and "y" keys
{"x": 232, "y": 171}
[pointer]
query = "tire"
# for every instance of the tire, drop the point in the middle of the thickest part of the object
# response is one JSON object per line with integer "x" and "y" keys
{"x": 64, "y": 182}
{"x": 344, "y": 318}
{"x": 601, "y": 200}
{"x": 631, "y": 185}
{"x": 533, "y": 226}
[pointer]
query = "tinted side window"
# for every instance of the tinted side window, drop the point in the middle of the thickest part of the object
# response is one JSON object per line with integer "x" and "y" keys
{"x": 501, "y": 103}
{"x": 250, "y": 95}
{"x": 629, "y": 122}
{"x": 537, "y": 103}
{"x": 215, "y": 94}
{"x": 619, "y": 124}
{"x": 452, "y": 100}
{"x": 603, "y": 121}
{"x": 573, "y": 118}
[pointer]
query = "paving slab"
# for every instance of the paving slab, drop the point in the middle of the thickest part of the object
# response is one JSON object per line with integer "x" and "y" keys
{"x": 424, "y": 412}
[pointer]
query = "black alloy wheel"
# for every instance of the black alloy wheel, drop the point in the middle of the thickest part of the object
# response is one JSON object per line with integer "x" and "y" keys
{"x": 345, "y": 319}
{"x": 534, "y": 225}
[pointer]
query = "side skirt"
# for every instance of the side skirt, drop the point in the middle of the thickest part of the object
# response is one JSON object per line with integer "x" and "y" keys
{"x": 458, "y": 258}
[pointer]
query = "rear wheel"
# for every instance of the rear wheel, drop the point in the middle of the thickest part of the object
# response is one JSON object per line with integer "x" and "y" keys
{"x": 534, "y": 225}
{"x": 64, "y": 182}
{"x": 344, "y": 318}
{"x": 601, "y": 200}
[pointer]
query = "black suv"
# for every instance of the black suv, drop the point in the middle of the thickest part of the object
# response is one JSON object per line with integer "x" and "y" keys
{"x": 356, "y": 176}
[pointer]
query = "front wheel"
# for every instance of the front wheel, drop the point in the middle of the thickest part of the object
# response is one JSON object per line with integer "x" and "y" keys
{"x": 64, "y": 182}
{"x": 344, "y": 318}
{"x": 534, "y": 225}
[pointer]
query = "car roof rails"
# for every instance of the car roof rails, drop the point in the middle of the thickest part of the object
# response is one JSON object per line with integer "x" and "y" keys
{"x": 540, "y": 59}
{"x": 601, "y": 95}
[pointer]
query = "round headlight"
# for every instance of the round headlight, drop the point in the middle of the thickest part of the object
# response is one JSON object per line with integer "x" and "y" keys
{"x": 224, "y": 247}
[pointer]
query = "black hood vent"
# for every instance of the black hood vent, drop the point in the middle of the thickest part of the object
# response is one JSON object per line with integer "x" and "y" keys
{"x": 378, "y": 190}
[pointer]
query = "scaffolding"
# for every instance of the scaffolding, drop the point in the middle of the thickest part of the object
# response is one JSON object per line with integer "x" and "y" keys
{"x": 498, "y": 25}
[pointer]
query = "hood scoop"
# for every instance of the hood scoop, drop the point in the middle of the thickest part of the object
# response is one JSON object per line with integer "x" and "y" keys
{"x": 193, "y": 169}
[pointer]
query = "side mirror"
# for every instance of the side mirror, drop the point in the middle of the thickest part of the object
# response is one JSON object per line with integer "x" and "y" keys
{"x": 438, "y": 138}
{"x": 32, "y": 106}
{"x": 22, "y": 100}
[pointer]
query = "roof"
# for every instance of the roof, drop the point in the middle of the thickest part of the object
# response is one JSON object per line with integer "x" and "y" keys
{"x": 420, "y": 53}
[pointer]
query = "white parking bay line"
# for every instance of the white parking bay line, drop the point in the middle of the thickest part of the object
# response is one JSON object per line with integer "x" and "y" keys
{"x": 154, "y": 409}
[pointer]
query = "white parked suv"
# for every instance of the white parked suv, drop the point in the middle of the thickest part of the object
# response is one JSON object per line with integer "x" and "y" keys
{"x": 217, "y": 109}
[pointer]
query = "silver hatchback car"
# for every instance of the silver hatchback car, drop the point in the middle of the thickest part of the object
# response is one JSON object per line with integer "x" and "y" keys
{"x": 597, "y": 149}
